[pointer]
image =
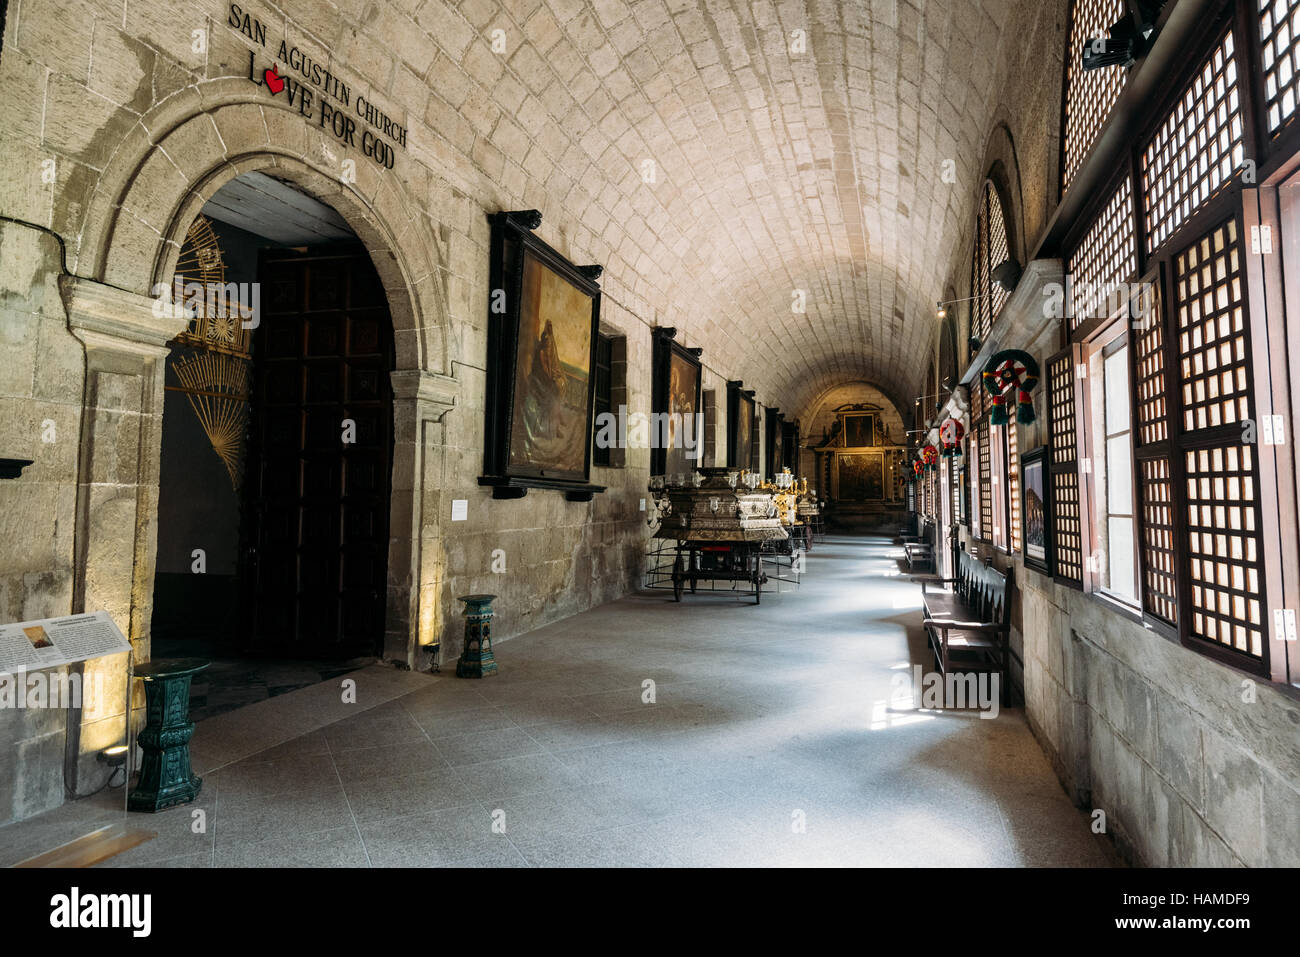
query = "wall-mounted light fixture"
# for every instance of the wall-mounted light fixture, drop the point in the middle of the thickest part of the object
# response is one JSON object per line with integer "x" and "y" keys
{"x": 1007, "y": 275}
{"x": 1128, "y": 38}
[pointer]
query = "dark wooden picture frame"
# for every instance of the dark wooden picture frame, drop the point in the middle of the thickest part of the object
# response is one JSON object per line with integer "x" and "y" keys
{"x": 790, "y": 447}
{"x": 550, "y": 391}
{"x": 1034, "y": 463}
{"x": 742, "y": 426}
{"x": 676, "y": 386}
{"x": 774, "y": 422}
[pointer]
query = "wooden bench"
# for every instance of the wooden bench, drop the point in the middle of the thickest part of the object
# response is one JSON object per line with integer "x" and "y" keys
{"x": 910, "y": 531}
{"x": 969, "y": 624}
{"x": 921, "y": 549}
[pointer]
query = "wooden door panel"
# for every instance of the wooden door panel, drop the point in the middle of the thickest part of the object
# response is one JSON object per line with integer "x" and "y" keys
{"x": 316, "y": 513}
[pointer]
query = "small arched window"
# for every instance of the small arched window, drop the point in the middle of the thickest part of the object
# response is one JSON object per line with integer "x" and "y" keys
{"x": 991, "y": 251}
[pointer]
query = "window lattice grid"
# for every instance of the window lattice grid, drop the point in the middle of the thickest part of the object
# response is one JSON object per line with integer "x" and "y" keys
{"x": 1279, "y": 32}
{"x": 991, "y": 251}
{"x": 1013, "y": 482}
{"x": 981, "y": 318}
{"x": 1197, "y": 148}
{"x": 954, "y": 488}
{"x": 986, "y": 482}
{"x": 998, "y": 252}
{"x": 1213, "y": 342}
{"x": 1149, "y": 373}
{"x": 1067, "y": 528}
{"x": 1159, "y": 577}
{"x": 1089, "y": 94}
{"x": 1106, "y": 257}
{"x": 1060, "y": 383}
{"x": 1224, "y": 549}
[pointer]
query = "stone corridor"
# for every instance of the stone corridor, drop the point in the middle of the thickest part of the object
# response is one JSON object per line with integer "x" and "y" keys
{"x": 763, "y": 719}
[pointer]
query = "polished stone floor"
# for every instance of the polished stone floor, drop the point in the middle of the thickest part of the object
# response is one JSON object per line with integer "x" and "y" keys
{"x": 778, "y": 735}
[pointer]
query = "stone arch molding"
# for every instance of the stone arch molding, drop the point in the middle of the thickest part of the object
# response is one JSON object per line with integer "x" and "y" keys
{"x": 158, "y": 179}
{"x": 192, "y": 143}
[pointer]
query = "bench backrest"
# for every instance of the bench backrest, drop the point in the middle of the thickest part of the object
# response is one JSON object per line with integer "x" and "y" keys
{"x": 984, "y": 589}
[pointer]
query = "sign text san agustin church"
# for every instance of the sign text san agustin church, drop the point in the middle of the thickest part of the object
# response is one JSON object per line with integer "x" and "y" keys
{"x": 328, "y": 99}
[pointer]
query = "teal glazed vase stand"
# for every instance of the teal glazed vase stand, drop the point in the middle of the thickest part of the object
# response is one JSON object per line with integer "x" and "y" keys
{"x": 476, "y": 659}
{"x": 166, "y": 778}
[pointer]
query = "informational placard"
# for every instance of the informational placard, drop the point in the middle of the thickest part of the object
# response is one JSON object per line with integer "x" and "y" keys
{"x": 51, "y": 642}
{"x": 459, "y": 509}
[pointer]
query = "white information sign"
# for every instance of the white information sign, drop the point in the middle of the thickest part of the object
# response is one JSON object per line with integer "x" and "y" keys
{"x": 51, "y": 642}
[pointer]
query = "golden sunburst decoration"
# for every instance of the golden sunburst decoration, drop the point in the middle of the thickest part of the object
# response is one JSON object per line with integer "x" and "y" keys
{"x": 201, "y": 261}
{"x": 214, "y": 370}
{"x": 217, "y": 386}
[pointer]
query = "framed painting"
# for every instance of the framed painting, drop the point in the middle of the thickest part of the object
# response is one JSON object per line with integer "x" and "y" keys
{"x": 1037, "y": 516}
{"x": 677, "y": 444}
{"x": 543, "y": 313}
{"x": 861, "y": 476}
{"x": 774, "y": 422}
{"x": 859, "y": 431}
{"x": 741, "y": 431}
{"x": 790, "y": 446}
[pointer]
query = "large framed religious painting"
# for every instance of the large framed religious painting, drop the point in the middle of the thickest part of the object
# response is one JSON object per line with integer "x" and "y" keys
{"x": 741, "y": 427}
{"x": 790, "y": 446}
{"x": 774, "y": 422}
{"x": 1033, "y": 482}
{"x": 677, "y": 439}
{"x": 860, "y": 476}
{"x": 543, "y": 313}
{"x": 859, "y": 430}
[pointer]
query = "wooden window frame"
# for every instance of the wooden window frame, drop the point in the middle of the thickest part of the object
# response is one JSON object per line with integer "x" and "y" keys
{"x": 602, "y": 399}
{"x": 1105, "y": 342}
{"x": 1112, "y": 83}
{"x": 1065, "y": 453}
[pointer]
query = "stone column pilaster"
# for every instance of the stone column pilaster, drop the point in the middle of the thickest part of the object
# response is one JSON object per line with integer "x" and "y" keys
{"x": 125, "y": 338}
{"x": 415, "y": 617}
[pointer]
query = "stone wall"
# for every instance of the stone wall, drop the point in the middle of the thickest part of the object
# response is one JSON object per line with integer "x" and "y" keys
{"x": 1194, "y": 763}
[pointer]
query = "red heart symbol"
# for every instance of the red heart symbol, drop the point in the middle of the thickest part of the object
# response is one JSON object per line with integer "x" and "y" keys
{"x": 273, "y": 79}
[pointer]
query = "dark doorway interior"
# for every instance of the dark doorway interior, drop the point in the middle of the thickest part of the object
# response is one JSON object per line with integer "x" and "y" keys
{"x": 319, "y": 457}
{"x": 294, "y": 541}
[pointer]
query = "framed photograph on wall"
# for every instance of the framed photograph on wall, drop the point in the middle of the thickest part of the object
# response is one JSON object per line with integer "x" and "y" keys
{"x": 741, "y": 432}
{"x": 543, "y": 313}
{"x": 675, "y": 394}
{"x": 1037, "y": 515}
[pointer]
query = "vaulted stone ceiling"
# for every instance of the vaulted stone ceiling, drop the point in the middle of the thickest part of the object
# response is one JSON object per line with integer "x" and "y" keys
{"x": 775, "y": 168}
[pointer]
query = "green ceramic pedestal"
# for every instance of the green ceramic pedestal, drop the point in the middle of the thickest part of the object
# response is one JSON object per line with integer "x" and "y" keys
{"x": 477, "y": 661}
{"x": 165, "y": 775}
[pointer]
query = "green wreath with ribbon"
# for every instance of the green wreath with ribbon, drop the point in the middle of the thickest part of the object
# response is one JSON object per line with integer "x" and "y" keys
{"x": 1010, "y": 370}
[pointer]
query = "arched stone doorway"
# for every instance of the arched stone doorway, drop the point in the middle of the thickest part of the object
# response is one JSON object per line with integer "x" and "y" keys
{"x": 181, "y": 154}
{"x": 277, "y": 439}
